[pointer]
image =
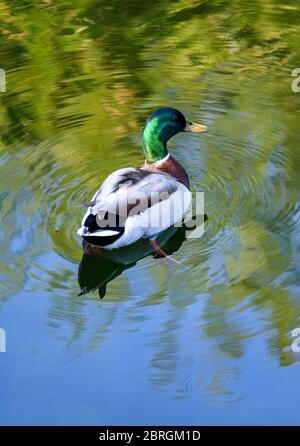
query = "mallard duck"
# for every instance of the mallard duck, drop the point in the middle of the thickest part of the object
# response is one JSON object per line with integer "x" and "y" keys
{"x": 129, "y": 200}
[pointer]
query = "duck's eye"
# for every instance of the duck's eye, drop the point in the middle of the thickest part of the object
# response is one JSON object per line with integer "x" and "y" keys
{"x": 174, "y": 118}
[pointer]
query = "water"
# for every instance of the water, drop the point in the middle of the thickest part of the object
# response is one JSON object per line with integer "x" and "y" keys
{"x": 204, "y": 342}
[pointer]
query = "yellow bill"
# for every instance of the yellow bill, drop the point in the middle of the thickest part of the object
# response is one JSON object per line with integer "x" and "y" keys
{"x": 195, "y": 128}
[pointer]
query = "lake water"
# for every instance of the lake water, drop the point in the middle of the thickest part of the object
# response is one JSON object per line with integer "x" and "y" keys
{"x": 207, "y": 341}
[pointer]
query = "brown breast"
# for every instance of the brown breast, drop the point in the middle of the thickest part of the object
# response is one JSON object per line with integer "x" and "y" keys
{"x": 172, "y": 167}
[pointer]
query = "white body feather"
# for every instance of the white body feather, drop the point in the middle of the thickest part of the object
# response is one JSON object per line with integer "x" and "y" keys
{"x": 126, "y": 184}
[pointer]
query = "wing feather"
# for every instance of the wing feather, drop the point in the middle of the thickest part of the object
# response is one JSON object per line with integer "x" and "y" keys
{"x": 129, "y": 191}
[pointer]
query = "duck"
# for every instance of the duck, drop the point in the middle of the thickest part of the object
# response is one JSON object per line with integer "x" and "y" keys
{"x": 139, "y": 203}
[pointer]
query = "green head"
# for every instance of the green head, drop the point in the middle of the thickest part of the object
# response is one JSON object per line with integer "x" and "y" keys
{"x": 160, "y": 127}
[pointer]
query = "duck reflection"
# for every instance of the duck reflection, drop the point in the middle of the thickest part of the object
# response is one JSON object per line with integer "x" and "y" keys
{"x": 96, "y": 271}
